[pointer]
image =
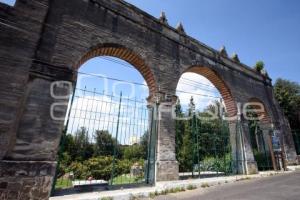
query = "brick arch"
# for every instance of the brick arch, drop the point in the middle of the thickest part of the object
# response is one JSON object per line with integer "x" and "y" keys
{"x": 125, "y": 54}
{"x": 266, "y": 119}
{"x": 219, "y": 83}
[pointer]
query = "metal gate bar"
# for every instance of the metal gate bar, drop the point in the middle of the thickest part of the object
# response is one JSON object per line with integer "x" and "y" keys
{"x": 211, "y": 149}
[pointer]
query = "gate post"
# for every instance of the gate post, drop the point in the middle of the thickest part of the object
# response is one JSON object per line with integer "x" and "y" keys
{"x": 167, "y": 167}
{"x": 242, "y": 153}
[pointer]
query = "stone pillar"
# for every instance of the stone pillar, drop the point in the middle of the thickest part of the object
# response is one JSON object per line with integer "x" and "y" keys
{"x": 281, "y": 125}
{"x": 167, "y": 167}
{"x": 287, "y": 142}
{"x": 28, "y": 168}
{"x": 242, "y": 154}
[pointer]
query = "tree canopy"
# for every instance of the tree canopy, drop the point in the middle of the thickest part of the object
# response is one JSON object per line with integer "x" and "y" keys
{"x": 287, "y": 94}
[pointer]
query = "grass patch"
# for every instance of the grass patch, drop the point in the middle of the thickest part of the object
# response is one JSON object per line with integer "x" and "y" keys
{"x": 191, "y": 187}
{"x": 62, "y": 183}
{"x": 107, "y": 198}
{"x": 137, "y": 197}
{"x": 152, "y": 195}
{"x": 205, "y": 185}
{"x": 127, "y": 179}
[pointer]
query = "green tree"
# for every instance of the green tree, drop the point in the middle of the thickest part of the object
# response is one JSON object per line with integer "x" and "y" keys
{"x": 105, "y": 144}
{"x": 185, "y": 152}
{"x": 185, "y": 145}
{"x": 192, "y": 107}
{"x": 144, "y": 144}
{"x": 70, "y": 147}
{"x": 138, "y": 151}
{"x": 179, "y": 128}
{"x": 134, "y": 152}
{"x": 81, "y": 149}
{"x": 287, "y": 94}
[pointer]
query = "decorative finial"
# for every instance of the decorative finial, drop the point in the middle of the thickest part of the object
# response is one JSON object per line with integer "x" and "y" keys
{"x": 235, "y": 57}
{"x": 180, "y": 28}
{"x": 163, "y": 18}
{"x": 223, "y": 51}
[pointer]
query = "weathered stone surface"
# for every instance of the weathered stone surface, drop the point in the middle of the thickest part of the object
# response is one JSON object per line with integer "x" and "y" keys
{"x": 43, "y": 41}
{"x": 22, "y": 180}
{"x": 167, "y": 170}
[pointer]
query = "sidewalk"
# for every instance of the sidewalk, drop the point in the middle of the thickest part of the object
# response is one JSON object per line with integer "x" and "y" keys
{"x": 128, "y": 194}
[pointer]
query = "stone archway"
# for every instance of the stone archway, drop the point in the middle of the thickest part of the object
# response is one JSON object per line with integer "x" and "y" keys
{"x": 131, "y": 119}
{"x": 220, "y": 84}
{"x": 59, "y": 40}
{"x": 260, "y": 125}
{"x": 234, "y": 119}
{"x": 125, "y": 54}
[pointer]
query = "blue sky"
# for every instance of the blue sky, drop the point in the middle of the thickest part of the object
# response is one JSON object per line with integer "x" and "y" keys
{"x": 267, "y": 30}
{"x": 256, "y": 30}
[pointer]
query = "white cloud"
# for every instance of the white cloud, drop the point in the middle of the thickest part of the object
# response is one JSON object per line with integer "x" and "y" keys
{"x": 101, "y": 112}
{"x": 198, "y": 87}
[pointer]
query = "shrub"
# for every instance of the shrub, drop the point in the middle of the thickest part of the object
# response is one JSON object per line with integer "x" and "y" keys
{"x": 123, "y": 167}
{"x": 216, "y": 164}
{"x": 152, "y": 195}
{"x": 205, "y": 185}
{"x": 100, "y": 168}
{"x": 80, "y": 170}
{"x": 191, "y": 187}
{"x": 259, "y": 66}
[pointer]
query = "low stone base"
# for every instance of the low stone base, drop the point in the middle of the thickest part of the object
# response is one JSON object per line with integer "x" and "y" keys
{"x": 167, "y": 170}
{"x": 26, "y": 180}
{"x": 251, "y": 167}
{"x": 294, "y": 161}
{"x": 291, "y": 156}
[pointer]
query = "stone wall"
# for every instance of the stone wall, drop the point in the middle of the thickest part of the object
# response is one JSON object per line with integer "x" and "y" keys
{"x": 46, "y": 41}
{"x": 26, "y": 180}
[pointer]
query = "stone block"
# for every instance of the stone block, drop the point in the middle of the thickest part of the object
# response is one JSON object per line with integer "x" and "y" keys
{"x": 22, "y": 180}
{"x": 167, "y": 170}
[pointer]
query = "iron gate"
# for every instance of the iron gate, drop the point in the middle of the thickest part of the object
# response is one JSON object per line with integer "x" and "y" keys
{"x": 108, "y": 140}
{"x": 261, "y": 144}
{"x": 296, "y": 137}
{"x": 203, "y": 147}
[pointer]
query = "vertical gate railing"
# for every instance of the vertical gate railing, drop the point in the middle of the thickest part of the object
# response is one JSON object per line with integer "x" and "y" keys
{"x": 296, "y": 136}
{"x": 259, "y": 135}
{"x": 210, "y": 153}
{"x": 108, "y": 140}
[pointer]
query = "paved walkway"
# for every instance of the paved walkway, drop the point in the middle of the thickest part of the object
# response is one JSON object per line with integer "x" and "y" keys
{"x": 281, "y": 187}
{"x": 127, "y": 194}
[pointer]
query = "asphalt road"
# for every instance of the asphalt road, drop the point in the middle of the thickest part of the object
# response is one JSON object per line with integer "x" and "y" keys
{"x": 280, "y": 187}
